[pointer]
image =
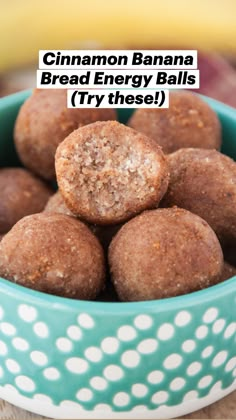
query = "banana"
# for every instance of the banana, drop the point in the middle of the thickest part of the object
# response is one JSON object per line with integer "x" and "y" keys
{"x": 29, "y": 25}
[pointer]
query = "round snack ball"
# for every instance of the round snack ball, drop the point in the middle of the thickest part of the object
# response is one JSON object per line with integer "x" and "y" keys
{"x": 21, "y": 194}
{"x": 163, "y": 253}
{"x": 56, "y": 204}
{"x": 228, "y": 271}
{"x": 105, "y": 234}
{"x": 43, "y": 122}
{"x": 55, "y": 254}
{"x": 188, "y": 122}
{"x": 204, "y": 182}
{"x": 108, "y": 172}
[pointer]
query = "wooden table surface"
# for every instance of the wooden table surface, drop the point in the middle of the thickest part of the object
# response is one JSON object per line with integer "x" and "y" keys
{"x": 224, "y": 409}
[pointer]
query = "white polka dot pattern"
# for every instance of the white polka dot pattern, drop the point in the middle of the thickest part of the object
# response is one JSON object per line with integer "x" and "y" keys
{"x": 99, "y": 365}
{"x": 74, "y": 332}
{"x": 86, "y": 321}
{"x": 147, "y": 346}
{"x": 121, "y": 399}
{"x": 183, "y": 318}
{"x": 76, "y": 365}
{"x": 139, "y": 390}
{"x": 25, "y": 383}
{"x": 20, "y": 344}
{"x": 173, "y": 361}
{"x": 160, "y": 397}
{"x": 126, "y": 333}
{"x": 130, "y": 358}
{"x": 41, "y": 329}
{"x": 155, "y": 377}
{"x": 110, "y": 345}
{"x": 143, "y": 322}
{"x": 51, "y": 373}
{"x": 7, "y": 328}
{"x": 27, "y": 313}
{"x": 39, "y": 358}
{"x": 210, "y": 315}
{"x": 98, "y": 383}
{"x": 64, "y": 344}
{"x": 84, "y": 394}
{"x": 165, "y": 332}
{"x": 177, "y": 384}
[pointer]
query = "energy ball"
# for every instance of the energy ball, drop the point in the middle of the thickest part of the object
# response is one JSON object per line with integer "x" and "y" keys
{"x": 55, "y": 254}
{"x": 228, "y": 271}
{"x": 108, "y": 172}
{"x": 163, "y": 253}
{"x": 56, "y": 204}
{"x": 188, "y": 122}
{"x": 204, "y": 182}
{"x": 21, "y": 194}
{"x": 105, "y": 234}
{"x": 43, "y": 122}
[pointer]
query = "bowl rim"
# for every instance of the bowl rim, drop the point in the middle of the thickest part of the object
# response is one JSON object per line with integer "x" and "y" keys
{"x": 199, "y": 297}
{"x": 183, "y": 301}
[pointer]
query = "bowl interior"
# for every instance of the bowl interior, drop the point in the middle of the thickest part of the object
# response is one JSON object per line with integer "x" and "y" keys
{"x": 9, "y": 107}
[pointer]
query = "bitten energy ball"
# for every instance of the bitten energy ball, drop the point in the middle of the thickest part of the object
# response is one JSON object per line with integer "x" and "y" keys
{"x": 204, "y": 182}
{"x": 105, "y": 234}
{"x": 21, "y": 194}
{"x": 163, "y": 253}
{"x": 188, "y": 122}
{"x": 55, "y": 254}
{"x": 108, "y": 172}
{"x": 43, "y": 122}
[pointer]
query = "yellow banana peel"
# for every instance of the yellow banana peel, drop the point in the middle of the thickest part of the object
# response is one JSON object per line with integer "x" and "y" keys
{"x": 29, "y": 25}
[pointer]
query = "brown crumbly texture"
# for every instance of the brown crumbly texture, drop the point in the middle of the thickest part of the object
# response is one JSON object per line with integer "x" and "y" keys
{"x": 56, "y": 204}
{"x": 188, "y": 122}
{"x": 228, "y": 271}
{"x": 204, "y": 182}
{"x": 43, "y": 122}
{"x": 108, "y": 172}
{"x": 105, "y": 234}
{"x": 21, "y": 194}
{"x": 164, "y": 253}
{"x": 55, "y": 254}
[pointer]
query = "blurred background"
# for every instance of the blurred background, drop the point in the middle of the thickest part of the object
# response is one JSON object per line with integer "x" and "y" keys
{"x": 206, "y": 25}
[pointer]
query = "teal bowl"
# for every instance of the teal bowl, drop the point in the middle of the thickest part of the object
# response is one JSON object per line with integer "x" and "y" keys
{"x": 73, "y": 359}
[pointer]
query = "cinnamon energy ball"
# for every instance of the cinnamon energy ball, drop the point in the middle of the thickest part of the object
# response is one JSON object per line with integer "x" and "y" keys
{"x": 105, "y": 234}
{"x": 55, "y": 254}
{"x": 108, "y": 172}
{"x": 43, "y": 122}
{"x": 21, "y": 194}
{"x": 56, "y": 204}
{"x": 163, "y": 253}
{"x": 204, "y": 182}
{"x": 188, "y": 122}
